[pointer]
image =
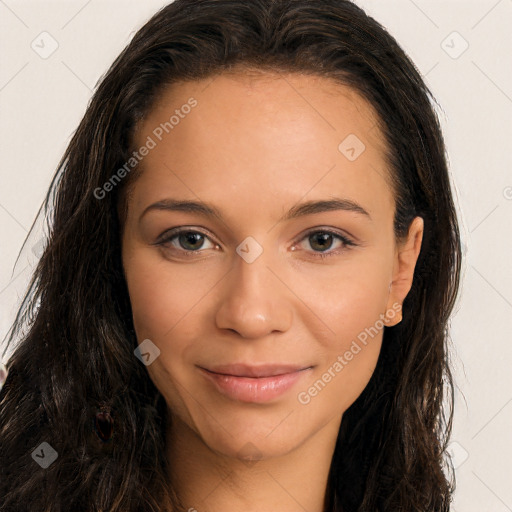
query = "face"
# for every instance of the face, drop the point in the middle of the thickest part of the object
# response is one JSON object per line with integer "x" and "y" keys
{"x": 267, "y": 305}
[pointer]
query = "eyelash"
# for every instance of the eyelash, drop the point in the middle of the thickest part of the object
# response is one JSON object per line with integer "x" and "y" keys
{"x": 347, "y": 243}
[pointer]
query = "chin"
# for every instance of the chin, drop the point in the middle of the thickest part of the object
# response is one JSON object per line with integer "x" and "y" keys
{"x": 242, "y": 432}
{"x": 250, "y": 447}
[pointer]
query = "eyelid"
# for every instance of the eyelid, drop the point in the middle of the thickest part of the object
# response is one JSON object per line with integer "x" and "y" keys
{"x": 332, "y": 231}
{"x": 170, "y": 233}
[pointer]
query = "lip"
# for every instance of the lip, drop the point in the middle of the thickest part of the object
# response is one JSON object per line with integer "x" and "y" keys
{"x": 254, "y": 384}
{"x": 262, "y": 370}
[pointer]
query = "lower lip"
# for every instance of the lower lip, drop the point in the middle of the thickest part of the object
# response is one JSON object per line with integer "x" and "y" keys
{"x": 255, "y": 390}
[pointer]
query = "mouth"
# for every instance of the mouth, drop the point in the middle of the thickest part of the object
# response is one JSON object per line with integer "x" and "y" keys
{"x": 254, "y": 384}
{"x": 256, "y": 371}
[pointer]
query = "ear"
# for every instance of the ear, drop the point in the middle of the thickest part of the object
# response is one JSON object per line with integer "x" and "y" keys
{"x": 406, "y": 255}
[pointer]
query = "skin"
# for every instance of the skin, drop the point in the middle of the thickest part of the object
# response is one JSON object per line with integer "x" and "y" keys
{"x": 262, "y": 144}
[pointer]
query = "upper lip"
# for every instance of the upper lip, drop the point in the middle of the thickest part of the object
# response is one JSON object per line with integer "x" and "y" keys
{"x": 266, "y": 370}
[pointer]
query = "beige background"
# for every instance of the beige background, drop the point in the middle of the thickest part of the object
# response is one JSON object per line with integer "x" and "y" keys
{"x": 43, "y": 99}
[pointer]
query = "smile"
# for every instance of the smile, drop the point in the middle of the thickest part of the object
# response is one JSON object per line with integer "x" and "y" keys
{"x": 255, "y": 389}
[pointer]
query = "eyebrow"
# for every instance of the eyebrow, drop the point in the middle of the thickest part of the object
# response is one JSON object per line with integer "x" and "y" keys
{"x": 299, "y": 210}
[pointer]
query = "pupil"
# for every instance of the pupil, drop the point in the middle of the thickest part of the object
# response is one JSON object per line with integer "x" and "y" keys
{"x": 190, "y": 237}
{"x": 324, "y": 237}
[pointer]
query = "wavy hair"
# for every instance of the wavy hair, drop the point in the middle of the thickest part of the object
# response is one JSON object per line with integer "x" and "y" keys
{"x": 73, "y": 380}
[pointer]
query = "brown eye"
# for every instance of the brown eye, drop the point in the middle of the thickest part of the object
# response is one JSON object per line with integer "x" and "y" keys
{"x": 185, "y": 241}
{"x": 190, "y": 240}
{"x": 322, "y": 240}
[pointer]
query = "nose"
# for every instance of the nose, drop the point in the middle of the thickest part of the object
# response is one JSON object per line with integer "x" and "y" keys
{"x": 254, "y": 300}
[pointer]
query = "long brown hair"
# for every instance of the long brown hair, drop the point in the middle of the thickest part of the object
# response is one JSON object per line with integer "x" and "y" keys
{"x": 73, "y": 380}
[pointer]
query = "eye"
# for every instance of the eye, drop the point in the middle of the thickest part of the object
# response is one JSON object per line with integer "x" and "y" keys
{"x": 186, "y": 241}
{"x": 189, "y": 241}
{"x": 321, "y": 240}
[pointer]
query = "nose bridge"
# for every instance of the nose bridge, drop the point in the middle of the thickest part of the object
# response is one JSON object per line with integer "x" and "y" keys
{"x": 253, "y": 303}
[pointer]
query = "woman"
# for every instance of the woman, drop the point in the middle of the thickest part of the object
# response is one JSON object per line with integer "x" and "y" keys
{"x": 252, "y": 262}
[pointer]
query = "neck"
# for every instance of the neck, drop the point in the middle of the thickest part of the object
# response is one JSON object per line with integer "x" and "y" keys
{"x": 207, "y": 480}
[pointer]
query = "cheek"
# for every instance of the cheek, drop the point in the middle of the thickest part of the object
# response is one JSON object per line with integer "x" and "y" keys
{"x": 162, "y": 303}
{"x": 162, "y": 298}
{"x": 166, "y": 307}
{"x": 351, "y": 302}
{"x": 346, "y": 298}
{"x": 348, "y": 356}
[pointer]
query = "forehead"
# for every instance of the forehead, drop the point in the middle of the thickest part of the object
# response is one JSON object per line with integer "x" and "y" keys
{"x": 282, "y": 136}
{"x": 279, "y": 99}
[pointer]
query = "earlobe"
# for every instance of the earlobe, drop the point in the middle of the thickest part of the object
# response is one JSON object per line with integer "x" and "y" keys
{"x": 403, "y": 271}
{"x": 393, "y": 315}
